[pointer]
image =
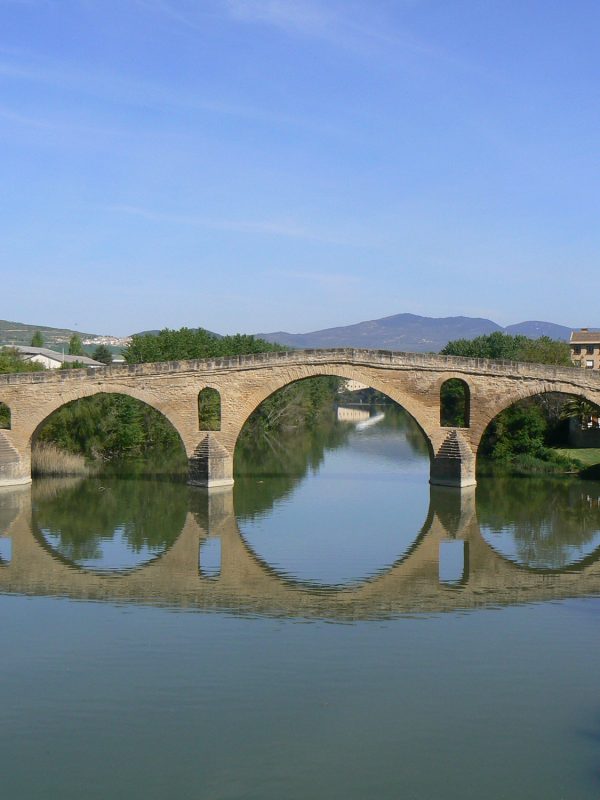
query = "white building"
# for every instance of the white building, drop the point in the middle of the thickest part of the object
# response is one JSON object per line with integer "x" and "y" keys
{"x": 51, "y": 359}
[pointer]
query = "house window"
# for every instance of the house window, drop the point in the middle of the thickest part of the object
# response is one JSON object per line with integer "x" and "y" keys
{"x": 577, "y": 351}
{"x": 589, "y": 351}
{"x": 589, "y": 363}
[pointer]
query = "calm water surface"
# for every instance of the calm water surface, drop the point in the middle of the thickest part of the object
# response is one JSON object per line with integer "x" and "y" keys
{"x": 331, "y": 629}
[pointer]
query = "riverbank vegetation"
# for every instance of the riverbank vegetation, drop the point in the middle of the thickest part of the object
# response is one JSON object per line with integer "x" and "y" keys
{"x": 530, "y": 436}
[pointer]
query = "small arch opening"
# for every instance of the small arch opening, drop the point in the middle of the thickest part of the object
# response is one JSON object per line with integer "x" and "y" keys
{"x": 209, "y": 410}
{"x": 5, "y": 421}
{"x": 455, "y": 404}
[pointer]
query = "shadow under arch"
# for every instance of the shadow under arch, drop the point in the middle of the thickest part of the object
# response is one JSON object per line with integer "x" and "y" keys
{"x": 144, "y": 405}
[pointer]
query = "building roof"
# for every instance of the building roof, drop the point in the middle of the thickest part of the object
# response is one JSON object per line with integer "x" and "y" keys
{"x": 62, "y": 358}
{"x": 585, "y": 336}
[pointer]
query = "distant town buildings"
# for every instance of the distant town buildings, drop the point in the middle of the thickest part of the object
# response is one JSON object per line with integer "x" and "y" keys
{"x": 585, "y": 348}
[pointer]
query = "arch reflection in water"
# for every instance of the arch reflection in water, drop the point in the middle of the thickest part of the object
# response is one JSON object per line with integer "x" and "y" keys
{"x": 354, "y": 514}
{"x": 110, "y": 524}
{"x": 246, "y": 585}
{"x": 547, "y": 524}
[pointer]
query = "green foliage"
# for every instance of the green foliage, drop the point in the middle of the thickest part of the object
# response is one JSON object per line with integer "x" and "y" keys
{"x": 187, "y": 343}
{"x": 72, "y": 365}
{"x": 209, "y": 410}
{"x": 521, "y": 437}
{"x": 102, "y": 354}
{"x": 75, "y": 345}
{"x": 579, "y": 408}
{"x": 454, "y": 404}
{"x": 37, "y": 340}
{"x": 299, "y": 405}
{"x": 4, "y": 416}
{"x": 503, "y": 346}
{"x": 110, "y": 427}
{"x": 10, "y": 361}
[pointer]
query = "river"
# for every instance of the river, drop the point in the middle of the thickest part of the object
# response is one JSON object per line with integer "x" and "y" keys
{"x": 332, "y": 628}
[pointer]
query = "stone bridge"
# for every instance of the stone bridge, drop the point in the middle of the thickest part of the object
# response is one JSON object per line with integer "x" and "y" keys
{"x": 413, "y": 380}
{"x": 247, "y": 585}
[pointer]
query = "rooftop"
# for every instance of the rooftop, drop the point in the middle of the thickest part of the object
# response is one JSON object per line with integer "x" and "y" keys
{"x": 585, "y": 336}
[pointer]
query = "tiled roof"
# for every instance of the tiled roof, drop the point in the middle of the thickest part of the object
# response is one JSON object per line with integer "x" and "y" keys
{"x": 585, "y": 337}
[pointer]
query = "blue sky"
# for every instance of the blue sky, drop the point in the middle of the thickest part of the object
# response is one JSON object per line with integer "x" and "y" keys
{"x": 260, "y": 165}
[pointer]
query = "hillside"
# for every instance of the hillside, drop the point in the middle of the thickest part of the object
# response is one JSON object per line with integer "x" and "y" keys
{"x": 411, "y": 333}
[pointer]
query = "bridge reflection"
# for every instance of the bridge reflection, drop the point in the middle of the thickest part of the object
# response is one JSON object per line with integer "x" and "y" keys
{"x": 450, "y": 566}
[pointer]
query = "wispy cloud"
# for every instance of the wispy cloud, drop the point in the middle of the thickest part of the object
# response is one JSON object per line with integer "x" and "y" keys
{"x": 364, "y": 28}
{"x": 276, "y": 226}
{"x": 145, "y": 94}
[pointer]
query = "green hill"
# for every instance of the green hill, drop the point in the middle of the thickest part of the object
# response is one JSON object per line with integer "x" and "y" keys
{"x": 19, "y": 333}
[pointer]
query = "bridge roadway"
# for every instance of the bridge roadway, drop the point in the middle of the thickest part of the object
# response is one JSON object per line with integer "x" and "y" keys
{"x": 413, "y": 380}
{"x": 247, "y": 585}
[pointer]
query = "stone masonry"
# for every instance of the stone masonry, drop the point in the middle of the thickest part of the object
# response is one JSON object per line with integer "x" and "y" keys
{"x": 411, "y": 379}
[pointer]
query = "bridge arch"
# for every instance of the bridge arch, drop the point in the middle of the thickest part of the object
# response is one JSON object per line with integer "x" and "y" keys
{"x": 103, "y": 393}
{"x": 397, "y": 395}
{"x": 526, "y": 391}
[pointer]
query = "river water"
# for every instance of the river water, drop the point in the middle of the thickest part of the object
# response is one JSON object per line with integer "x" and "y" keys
{"x": 332, "y": 628}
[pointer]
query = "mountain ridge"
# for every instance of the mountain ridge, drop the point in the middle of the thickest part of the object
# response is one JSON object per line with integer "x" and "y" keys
{"x": 412, "y": 333}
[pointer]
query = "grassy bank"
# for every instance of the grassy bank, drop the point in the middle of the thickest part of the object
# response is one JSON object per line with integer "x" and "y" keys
{"x": 49, "y": 460}
{"x": 587, "y": 456}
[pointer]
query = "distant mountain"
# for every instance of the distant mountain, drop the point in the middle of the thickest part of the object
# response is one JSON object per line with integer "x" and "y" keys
{"x": 411, "y": 333}
{"x": 535, "y": 329}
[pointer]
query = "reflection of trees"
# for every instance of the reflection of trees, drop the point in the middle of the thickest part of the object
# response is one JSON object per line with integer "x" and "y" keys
{"x": 547, "y": 518}
{"x": 268, "y": 467}
{"x": 147, "y": 513}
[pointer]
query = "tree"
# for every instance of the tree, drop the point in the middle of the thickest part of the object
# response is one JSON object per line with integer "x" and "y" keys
{"x": 11, "y": 362}
{"x": 37, "y": 340}
{"x": 102, "y": 354}
{"x": 75, "y": 345}
{"x": 187, "y": 343}
{"x": 503, "y": 346}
